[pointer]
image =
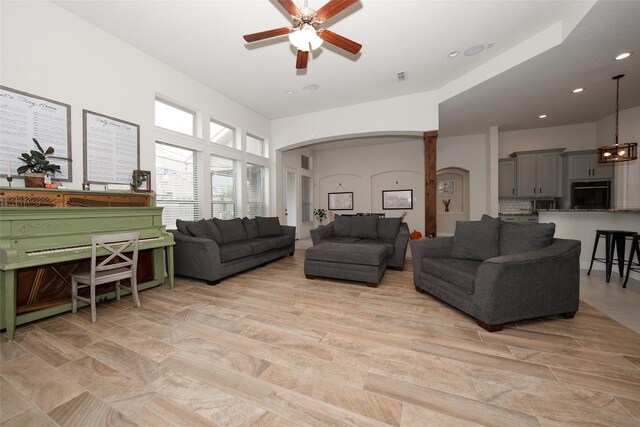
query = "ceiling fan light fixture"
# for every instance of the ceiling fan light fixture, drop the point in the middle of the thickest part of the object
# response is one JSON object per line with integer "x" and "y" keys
{"x": 305, "y": 38}
{"x": 618, "y": 152}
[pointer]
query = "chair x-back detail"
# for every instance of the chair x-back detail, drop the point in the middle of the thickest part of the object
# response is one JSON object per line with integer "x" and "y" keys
{"x": 108, "y": 271}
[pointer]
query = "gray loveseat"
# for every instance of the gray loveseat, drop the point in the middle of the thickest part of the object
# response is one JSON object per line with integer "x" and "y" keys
{"x": 500, "y": 272}
{"x": 391, "y": 233}
{"x": 213, "y": 249}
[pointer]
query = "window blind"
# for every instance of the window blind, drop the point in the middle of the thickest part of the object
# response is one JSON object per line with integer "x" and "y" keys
{"x": 256, "y": 188}
{"x": 223, "y": 188}
{"x": 177, "y": 184}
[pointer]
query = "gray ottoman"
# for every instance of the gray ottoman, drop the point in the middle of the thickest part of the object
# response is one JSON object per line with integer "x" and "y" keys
{"x": 348, "y": 261}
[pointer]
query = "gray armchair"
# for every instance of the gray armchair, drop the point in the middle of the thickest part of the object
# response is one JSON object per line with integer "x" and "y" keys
{"x": 510, "y": 286}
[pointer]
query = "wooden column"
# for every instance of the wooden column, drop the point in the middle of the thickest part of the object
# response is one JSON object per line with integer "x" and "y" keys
{"x": 430, "y": 206}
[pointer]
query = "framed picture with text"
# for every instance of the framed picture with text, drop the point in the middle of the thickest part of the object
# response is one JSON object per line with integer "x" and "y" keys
{"x": 397, "y": 199}
{"x": 341, "y": 201}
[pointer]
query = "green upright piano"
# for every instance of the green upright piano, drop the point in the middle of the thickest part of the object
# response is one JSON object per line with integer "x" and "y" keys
{"x": 45, "y": 235}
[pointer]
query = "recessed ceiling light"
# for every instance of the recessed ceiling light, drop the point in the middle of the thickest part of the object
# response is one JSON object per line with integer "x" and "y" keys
{"x": 290, "y": 92}
{"x": 474, "y": 50}
{"x": 578, "y": 90}
{"x": 542, "y": 116}
{"x": 623, "y": 56}
{"x": 453, "y": 53}
{"x": 312, "y": 86}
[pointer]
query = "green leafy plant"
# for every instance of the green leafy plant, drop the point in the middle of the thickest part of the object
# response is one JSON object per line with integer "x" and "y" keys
{"x": 36, "y": 161}
{"x": 320, "y": 215}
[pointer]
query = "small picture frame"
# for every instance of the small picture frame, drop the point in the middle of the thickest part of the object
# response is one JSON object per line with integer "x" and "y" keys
{"x": 446, "y": 187}
{"x": 141, "y": 181}
{"x": 341, "y": 201}
{"x": 397, "y": 199}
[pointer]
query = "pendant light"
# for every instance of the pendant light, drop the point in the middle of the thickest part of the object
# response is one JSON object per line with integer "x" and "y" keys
{"x": 618, "y": 152}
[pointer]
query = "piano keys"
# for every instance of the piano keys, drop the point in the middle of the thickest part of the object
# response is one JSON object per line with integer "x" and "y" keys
{"x": 41, "y": 246}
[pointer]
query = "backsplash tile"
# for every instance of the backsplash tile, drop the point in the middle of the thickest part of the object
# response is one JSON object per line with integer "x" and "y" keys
{"x": 514, "y": 206}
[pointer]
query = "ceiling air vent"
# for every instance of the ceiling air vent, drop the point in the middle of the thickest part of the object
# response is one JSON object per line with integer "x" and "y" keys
{"x": 401, "y": 76}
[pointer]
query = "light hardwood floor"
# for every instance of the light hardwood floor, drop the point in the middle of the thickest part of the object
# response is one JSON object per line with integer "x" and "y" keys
{"x": 269, "y": 347}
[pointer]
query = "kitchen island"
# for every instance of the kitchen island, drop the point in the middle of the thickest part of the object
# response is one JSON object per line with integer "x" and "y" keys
{"x": 581, "y": 224}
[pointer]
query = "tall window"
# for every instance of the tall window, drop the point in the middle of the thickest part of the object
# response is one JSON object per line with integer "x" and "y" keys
{"x": 223, "y": 188}
{"x": 221, "y": 134}
{"x": 307, "y": 197}
{"x": 255, "y": 145}
{"x": 175, "y": 118}
{"x": 256, "y": 187}
{"x": 177, "y": 184}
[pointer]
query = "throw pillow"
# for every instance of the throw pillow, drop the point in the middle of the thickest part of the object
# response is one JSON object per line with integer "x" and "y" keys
{"x": 182, "y": 225}
{"x": 269, "y": 226}
{"x": 519, "y": 238}
{"x": 364, "y": 227}
{"x": 217, "y": 236}
{"x": 204, "y": 229}
{"x": 251, "y": 227}
{"x": 342, "y": 226}
{"x": 388, "y": 227}
{"x": 231, "y": 230}
{"x": 479, "y": 240}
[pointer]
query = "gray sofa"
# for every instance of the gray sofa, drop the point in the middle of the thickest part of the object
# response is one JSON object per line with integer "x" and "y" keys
{"x": 391, "y": 233}
{"x": 500, "y": 272}
{"x": 213, "y": 249}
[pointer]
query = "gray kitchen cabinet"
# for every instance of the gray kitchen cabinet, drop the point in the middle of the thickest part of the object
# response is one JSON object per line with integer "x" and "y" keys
{"x": 507, "y": 178}
{"x": 538, "y": 174}
{"x": 583, "y": 165}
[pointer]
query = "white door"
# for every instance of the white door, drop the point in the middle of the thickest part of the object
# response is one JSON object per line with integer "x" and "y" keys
{"x": 291, "y": 197}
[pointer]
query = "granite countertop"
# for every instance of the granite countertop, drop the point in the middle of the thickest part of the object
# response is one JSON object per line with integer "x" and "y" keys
{"x": 632, "y": 211}
{"x": 519, "y": 214}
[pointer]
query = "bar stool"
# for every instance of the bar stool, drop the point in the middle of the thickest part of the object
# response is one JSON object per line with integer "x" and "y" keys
{"x": 631, "y": 265}
{"x": 614, "y": 240}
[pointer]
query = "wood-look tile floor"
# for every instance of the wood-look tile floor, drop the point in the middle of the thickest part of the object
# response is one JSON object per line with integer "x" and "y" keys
{"x": 269, "y": 347}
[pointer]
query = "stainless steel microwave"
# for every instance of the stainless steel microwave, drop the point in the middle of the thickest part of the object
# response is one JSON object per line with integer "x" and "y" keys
{"x": 591, "y": 195}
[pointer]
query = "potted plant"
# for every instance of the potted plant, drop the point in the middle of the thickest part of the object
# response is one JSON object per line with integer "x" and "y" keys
{"x": 320, "y": 215}
{"x": 37, "y": 166}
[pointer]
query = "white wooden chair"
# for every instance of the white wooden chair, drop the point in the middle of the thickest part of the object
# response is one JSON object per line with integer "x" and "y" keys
{"x": 107, "y": 272}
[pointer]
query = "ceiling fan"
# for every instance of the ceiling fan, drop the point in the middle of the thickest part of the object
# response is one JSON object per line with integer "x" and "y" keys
{"x": 306, "y": 34}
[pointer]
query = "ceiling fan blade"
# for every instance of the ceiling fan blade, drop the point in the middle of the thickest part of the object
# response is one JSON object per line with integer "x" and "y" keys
{"x": 333, "y": 7}
{"x": 266, "y": 34}
{"x": 339, "y": 41}
{"x": 290, "y": 7}
{"x": 301, "y": 60}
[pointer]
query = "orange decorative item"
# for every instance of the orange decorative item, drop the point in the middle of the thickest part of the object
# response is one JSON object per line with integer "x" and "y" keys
{"x": 415, "y": 234}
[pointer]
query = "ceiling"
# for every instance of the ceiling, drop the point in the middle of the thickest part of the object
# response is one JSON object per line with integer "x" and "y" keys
{"x": 203, "y": 39}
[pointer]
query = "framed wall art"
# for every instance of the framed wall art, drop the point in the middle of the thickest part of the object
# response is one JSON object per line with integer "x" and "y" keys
{"x": 397, "y": 199}
{"x": 24, "y": 116}
{"x": 111, "y": 149}
{"x": 341, "y": 201}
{"x": 446, "y": 187}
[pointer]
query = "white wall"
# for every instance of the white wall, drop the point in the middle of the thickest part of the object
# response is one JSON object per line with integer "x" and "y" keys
{"x": 572, "y": 137}
{"x": 49, "y": 52}
{"x": 627, "y": 174}
{"x": 367, "y": 171}
{"x": 468, "y": 152}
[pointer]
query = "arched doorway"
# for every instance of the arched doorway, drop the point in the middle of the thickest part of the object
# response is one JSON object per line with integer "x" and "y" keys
{"x": 452, "y": 199}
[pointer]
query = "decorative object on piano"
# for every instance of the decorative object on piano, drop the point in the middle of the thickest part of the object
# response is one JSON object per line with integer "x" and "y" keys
{"x": 141, "y": 181}
{"x": 37, "y": 166}
{"x": 9, "y": 177}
